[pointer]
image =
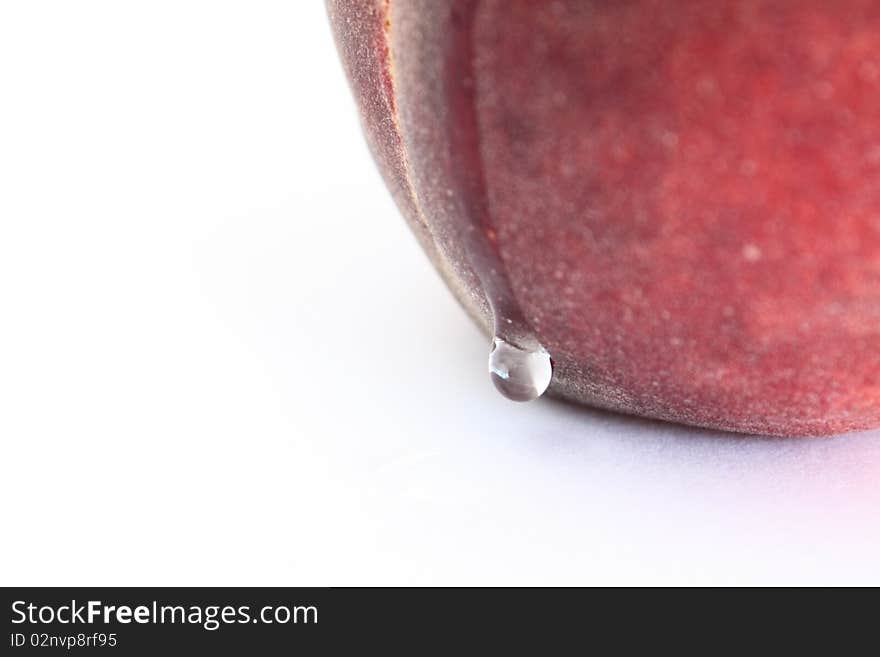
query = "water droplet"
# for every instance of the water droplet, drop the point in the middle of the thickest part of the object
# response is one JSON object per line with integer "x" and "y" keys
{"x": 519, "y": 374}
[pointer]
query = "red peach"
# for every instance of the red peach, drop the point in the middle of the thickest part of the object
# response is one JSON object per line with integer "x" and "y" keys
{"x": 679, "y": 200}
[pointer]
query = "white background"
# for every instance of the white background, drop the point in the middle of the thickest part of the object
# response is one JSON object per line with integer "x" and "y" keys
{"x": 224, "y": 360}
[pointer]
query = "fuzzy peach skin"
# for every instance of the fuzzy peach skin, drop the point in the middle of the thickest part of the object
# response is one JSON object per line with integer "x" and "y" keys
{"x": 684, "y": 196}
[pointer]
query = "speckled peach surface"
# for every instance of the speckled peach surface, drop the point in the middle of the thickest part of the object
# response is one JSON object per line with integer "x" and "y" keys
{"x": 362, "y": 31}
{"x": 685, "y": 196}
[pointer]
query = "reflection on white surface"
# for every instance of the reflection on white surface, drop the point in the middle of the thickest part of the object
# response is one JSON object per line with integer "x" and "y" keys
{"x": 225, "y": 361}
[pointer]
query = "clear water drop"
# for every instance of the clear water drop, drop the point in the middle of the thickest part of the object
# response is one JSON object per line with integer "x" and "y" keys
{"x": 518, "y": 373}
